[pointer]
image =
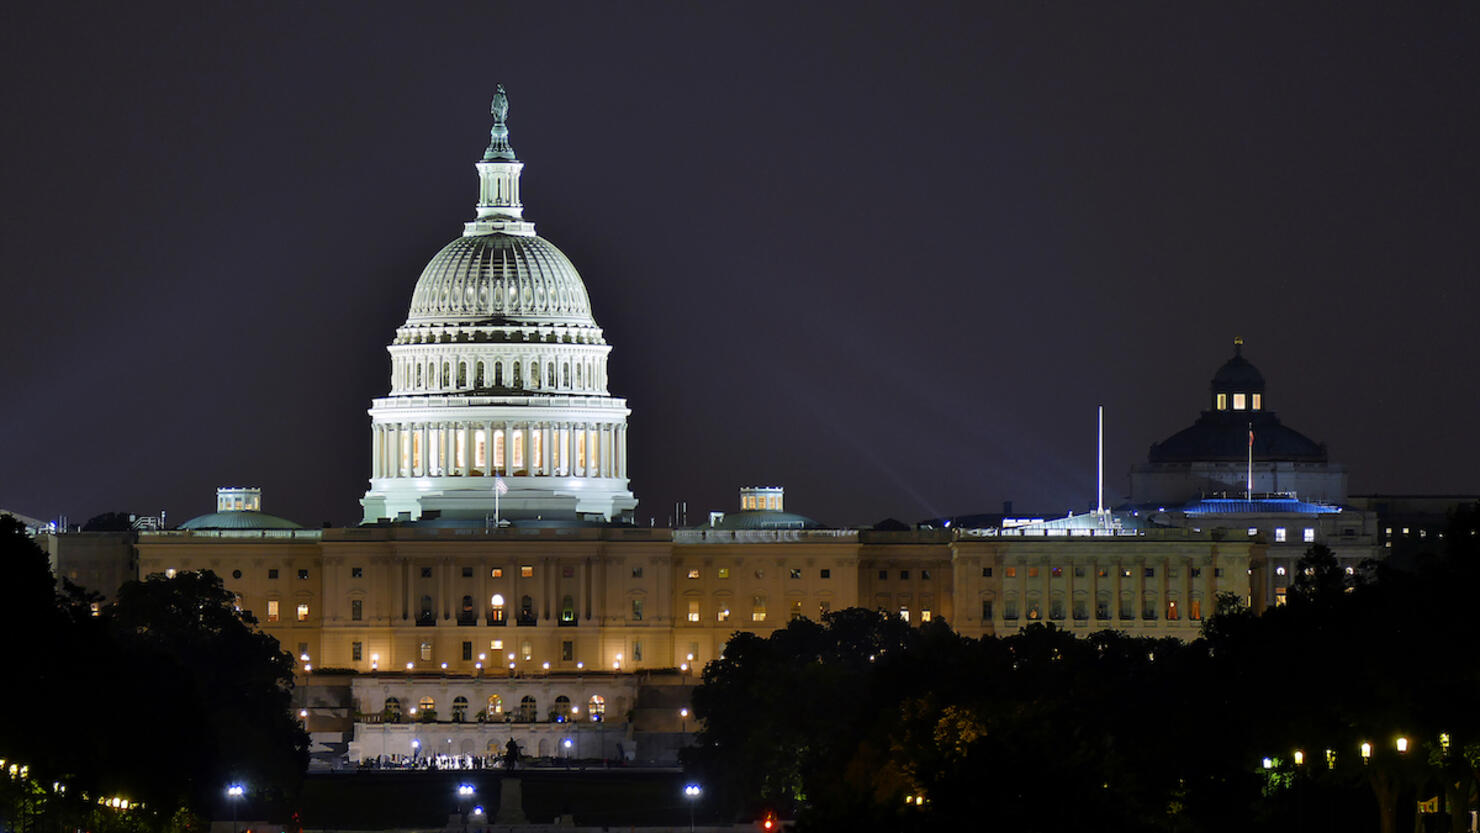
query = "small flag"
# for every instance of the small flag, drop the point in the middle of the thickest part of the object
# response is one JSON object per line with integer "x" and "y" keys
{"x": 1251, "y": 438}
{"x": 499, "y": 486}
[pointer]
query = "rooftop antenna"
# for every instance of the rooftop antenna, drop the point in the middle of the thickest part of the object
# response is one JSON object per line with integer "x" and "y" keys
{"x": 1100, "y": 467}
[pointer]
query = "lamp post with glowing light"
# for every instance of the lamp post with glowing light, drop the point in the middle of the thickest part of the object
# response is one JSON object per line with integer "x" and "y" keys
{"x": 464, "y": 794}
{"x": 683, "y": 720}
{"x": 692, "y": 792}
{"x": 234, "y": 795}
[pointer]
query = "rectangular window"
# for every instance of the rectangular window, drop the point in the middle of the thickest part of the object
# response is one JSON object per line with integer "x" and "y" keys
{"x": 1222, "y": 401}
{"x": 796, "y": 609}
{"x": 1009, "y": 610}
{"x": 1310, "y": 534}
{"x": 1056, "y": 572}
{"x": 1102, "y": 572}
{"x": 904, "y": 575}
{"x": 794, "y": 573}
{"x": 637, "y": 610}
{"x": 357, "y": 572}
{"x": 1173, "y": 614}
{"x": 723, "y": 615}
{"x": 356, "y": 651}
{"x": 758, "y": 609}
{"x": 567, "y": 572}
{"x": 1150, "y": 572}
{"x": 567, "y": 650}
{"x": 1279, "y": 534}
{"x": 693, "y": 574}
{"x": 637, "y": 650}
{"x": 496, "y": 572}
{"x": 1253, "y": 530}
{"x": 925, "y": 615}
{"x": 1194, "y": 611}
{"x": 904, "y": 613}
{"x": 426, "y": 572}
{"x": 272, "y": 573}
{"x": 1217, "y": 572}
{"x": 526, "y": 650}
{"x": 1279, "y": 596}
{"x": 1079, "y": 572}
{"x": 724, "y": 572}
{"x": 526, "y": 571}
{"x": 986, "y": 609}
{"x": 693, "y": 610}
{"x": 1010, "y": 572}
{"x": 883, "y": 575}
{"x": 1081, "y": 610}
{"x": 356, "y": 610}
{"x": 467, "y": 652}
{"x": 1195, "y": 572}
{"x": 272, "y": 610}
{"x": 925, "y": 574}
{"x": 1125, "y": 573}
{"x": 1238, "y": 402}
{"x": 1102, "y": 608}
{"x": 496, "y": 645}
{"x": 637, "y": 572}
{"x": 467, "y": 572}
{"x": 826, "y": 573}
{"x": 1032, "y": 572}
{"x": 303, "y": 613}
{"x": 1256, "y": 400}
{"x": 986, "y": 572}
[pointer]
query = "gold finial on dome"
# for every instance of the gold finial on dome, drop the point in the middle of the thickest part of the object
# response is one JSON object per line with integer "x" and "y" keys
{"x": 1238, "y": 345}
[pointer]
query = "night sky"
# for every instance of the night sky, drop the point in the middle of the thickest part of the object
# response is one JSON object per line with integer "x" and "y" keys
{"x": 890, "y": 256}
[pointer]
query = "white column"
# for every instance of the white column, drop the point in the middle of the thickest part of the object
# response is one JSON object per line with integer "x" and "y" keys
{"x": 422, "y": 435}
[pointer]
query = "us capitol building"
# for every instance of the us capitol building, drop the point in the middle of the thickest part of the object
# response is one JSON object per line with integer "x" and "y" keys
{"x": 497, "y": 589}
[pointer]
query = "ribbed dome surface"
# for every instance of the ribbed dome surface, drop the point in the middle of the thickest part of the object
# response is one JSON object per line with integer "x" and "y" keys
{"x": 500, "y": 277}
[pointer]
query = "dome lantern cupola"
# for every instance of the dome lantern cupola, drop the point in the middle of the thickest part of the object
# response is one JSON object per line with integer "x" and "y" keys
{"x": 500, "y": 210}
{"x": 1238, "y": 385}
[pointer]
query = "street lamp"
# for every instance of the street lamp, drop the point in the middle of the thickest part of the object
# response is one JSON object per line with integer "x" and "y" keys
{"x": 683, "y": 717}
{"x": 234, "y": 794}
{"x": 1366, "y": 751}
{"x": 464, "y": 792}
{"x": 1402, "y": 744}
{"x": 691, "y": 792}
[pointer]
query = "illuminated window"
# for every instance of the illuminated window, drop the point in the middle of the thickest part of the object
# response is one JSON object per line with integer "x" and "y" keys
{"x": 794, "y": 573}
{"x": 1034, "y": 612}
{"x": 925, "y": 615}
{"x": 303, "y": 612}
{"x": 1125, "y": 573}
{"x": 1032, "y": 572}
{"x": 392, "y": 710}
{"x": 425, "y": 651}
{"x": 1010, "y": 572}
{"x": 272, "y": 610}
{"x": 1238, "y": 402}
{"x": 496, "y": 572}
{"x": 581, "y": 450}
{"x": 496, "y": 645}
{"x": 568, "y": 609}
{"x": 724, "y": 572}
{"x": 1194, "y": 609}
{"x": 516, "y": 452}
{"x": 526, "y": 571}
{"x": 596, "y": 707}
{"x": 723, "y": 615}
{"x": 480, "y": 443}
{"x": 1222, "y": 401}
{"x": 904, "y": 613}
{"x": 496, "y": 613}
{"x": 796, "y": 610}
{"x": 1256, "y": 400}
{"x": 693, "y": 610}
{"x": 1253, "y": 530}
{"x": 495, "y": 704}
{"x": 1310, "y": 534}
{"x": 356, "y": 610}
{"x": 1279, "y": 596}
{"x": 694, "y": 573}
{"x": 1172, "y": 613}
{"x": 758, "y": 608}
{"x": 1279, "y": 534}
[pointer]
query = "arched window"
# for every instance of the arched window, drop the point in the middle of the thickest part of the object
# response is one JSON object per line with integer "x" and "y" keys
{"x": 459, "y": 709}
{"x": 528, "y": 710}
{"x": 467, "y": 615}
{"x": 496, "y": 613}
{"x": 568, "y": 610}
{"x": 516, "y": 454}
{"x": 391, "y": 713}
{"x": 495, "y": 705}
{"x": 478, "y": 376}
{"x": 596, "y": 708}
{"x": 526, "y": 610}
{"x": 418, "y": 375}
{"x": 446, "y": 375}
{"x": 550, "y": 374}
{"x": 578, "y": 376}
{"x": 565, "y": 375}
{"x": 518, "y": 377}
{"x": 562, "y": 709}
{"x": 498, "y": 374}
{"x": 1173, "y": 613}
{"x": 1194, "y": 609}
{"x": 426, "y": 709}
{"x": 462, "y": 374}
{"x": 1056, "y": 608}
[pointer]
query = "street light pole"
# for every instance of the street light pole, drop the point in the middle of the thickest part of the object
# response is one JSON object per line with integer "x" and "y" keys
{"x": 691, "y": 792}
{"x": 234, "y": 794}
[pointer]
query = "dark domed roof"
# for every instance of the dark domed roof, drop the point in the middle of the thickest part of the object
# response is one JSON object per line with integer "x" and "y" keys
{"x": 766, "y": 519}
{"x": 1223, "y": 436}
{"x": 1237, "y": 374}
{"x": 239, "y": 520}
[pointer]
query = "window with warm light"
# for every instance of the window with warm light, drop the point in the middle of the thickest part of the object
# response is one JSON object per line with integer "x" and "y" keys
{"x": 904, "y": 613}
{"x": 1010, "y": 572}
{"x": 693, "y": 573}
{"x": 1256, "y": 401}
{"x": 723, "y": 615}
{"x": 1238, "y": 402}
{"x": 693, "y": 610}
{"x": 758, "y": 609}
{"x": 1279, "y": 596}
{"x": 1222, "y": 401}
{"x": 303, "y": 612}
{"x": 796, "y": 610}
{"x": 526, "y": 650}
{"x": 723, "y": 572}
{"x": 272, "y": 610}
{"x": 925, "y": 615}
{"x": 526, "y": 571}
{"x": 425, "y": 651}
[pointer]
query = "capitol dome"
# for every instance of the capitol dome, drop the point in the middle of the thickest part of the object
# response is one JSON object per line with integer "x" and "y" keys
{"x": 500, "y": 278}
{"x": 498, "y": 407}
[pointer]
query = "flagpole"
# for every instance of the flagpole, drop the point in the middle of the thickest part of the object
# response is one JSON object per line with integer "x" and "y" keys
{"x": 1249, "y": 484}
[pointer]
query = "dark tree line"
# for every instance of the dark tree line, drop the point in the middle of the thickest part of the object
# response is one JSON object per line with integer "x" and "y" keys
{"x": 865, "y": 723}
{"x": 163, "y": 698}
